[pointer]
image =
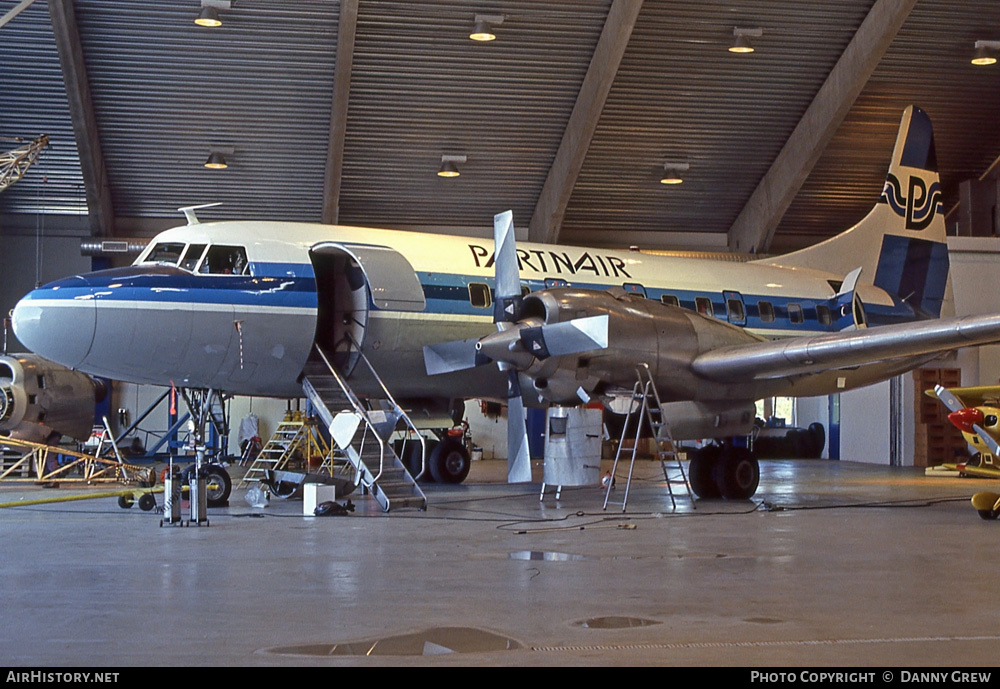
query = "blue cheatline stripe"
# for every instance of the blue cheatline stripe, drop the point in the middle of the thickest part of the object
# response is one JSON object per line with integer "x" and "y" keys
{"x": 289, "y": 286}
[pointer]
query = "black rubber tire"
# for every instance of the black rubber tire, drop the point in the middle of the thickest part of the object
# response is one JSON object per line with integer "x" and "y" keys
{"x": 988, "y": 515}
{"x": 215, "y": 474}
{"x": 147, "y": 501}
{"x": 449, "y": 462}
{"x": 817, "y": 436}
{"x": 737, "y": 474}
{"x": 125, "y": 502}
{"x": 701, "y": 472}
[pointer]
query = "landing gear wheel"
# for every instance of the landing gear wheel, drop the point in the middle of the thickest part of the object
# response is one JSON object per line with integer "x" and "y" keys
{"x": 220, "y": 485}
{"x": 147, "y": 501}
{"x": 125, "y": 502}
{"x": 737, "y": 474}
{"x": 701, "y": 471}
{"x": 988, "y": 515}
{"x": 449, "y": 462}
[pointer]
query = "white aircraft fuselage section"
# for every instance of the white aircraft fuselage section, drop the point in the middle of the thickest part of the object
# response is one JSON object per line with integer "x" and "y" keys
{"x": 157, "y": 322}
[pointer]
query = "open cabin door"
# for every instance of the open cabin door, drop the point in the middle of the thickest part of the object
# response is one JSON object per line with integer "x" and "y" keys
{"x": 351, "y": 281}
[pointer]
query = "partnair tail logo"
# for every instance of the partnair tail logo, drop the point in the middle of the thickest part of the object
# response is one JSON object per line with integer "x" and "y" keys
{"x": 917, "y": 205}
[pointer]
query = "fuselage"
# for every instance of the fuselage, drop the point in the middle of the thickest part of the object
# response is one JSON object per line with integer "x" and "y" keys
{"x": 237, "y": 306}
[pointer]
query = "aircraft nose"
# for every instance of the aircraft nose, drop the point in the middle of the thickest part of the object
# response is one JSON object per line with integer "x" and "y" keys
{"x": 963, "y": 419}
{"x": 57, "y": 321}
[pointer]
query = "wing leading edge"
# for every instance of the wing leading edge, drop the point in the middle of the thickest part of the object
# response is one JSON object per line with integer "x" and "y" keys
{"x": 803, "y": 355}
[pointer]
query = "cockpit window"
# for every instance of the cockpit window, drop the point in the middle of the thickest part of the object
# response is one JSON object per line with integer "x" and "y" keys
{"x": 165, "y": 252}
{"x": 192, "y": 256}
{"x": 225, "y": 260}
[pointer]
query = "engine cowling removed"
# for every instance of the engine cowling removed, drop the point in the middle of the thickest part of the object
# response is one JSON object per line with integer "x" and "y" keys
{"x": 41, "y": 400}
{"x": 640, "y": 331}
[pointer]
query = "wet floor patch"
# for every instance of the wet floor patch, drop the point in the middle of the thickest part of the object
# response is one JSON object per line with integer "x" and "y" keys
{"x": 616, "y": 622}
{"x": 545, "y": 555}
{"x": 428, "y": 642}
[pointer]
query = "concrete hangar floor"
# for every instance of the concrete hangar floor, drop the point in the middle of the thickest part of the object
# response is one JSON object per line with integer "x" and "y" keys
{"x": 831, "y": 564}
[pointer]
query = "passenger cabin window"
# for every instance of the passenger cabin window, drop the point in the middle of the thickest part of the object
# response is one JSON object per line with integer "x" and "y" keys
{"x": 192, "y": 256}
{"x": 736, "y": 312}
{"x": 823, "y": 315}
{"x": 670, "y": 300}
{"x": 703, "y": 305}
{"x": 225, "y": 260}
{"x": 479, "y": 295}
{"x": 165, "y": 252}
{"x": 766, "y": 311}
{"x": 794, "y": 313}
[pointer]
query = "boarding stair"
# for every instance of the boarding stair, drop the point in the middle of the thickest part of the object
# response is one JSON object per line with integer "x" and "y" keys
{"x": 296, "y": 437}
{"x": 362, "y": 431}
{"x": 645, "y": 404}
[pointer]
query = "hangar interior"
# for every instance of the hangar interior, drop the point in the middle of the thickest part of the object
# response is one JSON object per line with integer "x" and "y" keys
{"x": 343, "y": 112}
{"x": 574, "y": 115}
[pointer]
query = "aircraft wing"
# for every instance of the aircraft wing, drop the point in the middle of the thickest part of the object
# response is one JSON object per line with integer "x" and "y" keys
{"x": 801, "y": 355}
{"x": 975, "y": 396}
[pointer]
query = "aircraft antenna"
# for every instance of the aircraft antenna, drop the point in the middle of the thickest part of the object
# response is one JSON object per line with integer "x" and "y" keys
{"x": 188, "y": 212}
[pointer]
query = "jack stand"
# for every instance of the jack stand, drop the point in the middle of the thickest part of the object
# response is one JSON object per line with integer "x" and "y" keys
{"x": 198, "y": 493}
{"x": 171, "y": 498}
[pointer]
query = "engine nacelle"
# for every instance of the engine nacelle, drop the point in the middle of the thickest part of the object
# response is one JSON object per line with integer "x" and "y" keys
{"x": 40, "y": 400}
{"x": 640, "y": 331}
{"x": 694, "y": 420}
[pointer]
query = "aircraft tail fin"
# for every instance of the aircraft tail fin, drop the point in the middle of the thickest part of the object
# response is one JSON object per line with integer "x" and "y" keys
{"x": 901, "y": 243}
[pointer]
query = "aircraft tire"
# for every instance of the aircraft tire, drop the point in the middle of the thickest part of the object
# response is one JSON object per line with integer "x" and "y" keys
{"x": 147, "y": 502}
{"x": 214, "y": 475}
{"x": 737, "y": 474}
{"x": 125, "y": 502}
{"x": 449, "y": 462}
{"x": 701, "y": 472}
{"x": 988, "y": 515}
{"x": 218, "y": 497}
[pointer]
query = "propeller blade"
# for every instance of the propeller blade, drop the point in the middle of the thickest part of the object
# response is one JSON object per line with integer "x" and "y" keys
{"x": 518, "y": 458}
{"x": 948, "y": 398}
{"x": 988, "y": 439}
{"x": 568, "y": 337}
{"x": 456, "y": 355}
{"x": 507, "y": 287}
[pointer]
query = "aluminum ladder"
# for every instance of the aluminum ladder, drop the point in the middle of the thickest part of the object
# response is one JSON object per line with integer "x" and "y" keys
{"x": 362, "y": 434}
{"x": 645, "y": 400}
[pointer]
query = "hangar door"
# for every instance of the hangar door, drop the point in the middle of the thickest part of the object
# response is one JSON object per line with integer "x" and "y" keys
{"x": 351, "y": 281}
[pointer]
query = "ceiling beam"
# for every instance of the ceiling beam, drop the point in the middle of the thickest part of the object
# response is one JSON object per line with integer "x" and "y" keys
{"x": 347, "y": 28}
{"x": 754, "y": 228}
{"x": 551, "y": 207}
{"x": 81, "y": 107}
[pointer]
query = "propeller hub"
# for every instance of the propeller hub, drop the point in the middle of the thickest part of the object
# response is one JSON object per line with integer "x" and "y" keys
{"x": 965, "y": 419}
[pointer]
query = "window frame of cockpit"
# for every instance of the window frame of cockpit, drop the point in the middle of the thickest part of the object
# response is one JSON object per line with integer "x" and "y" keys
{"x": 202, "y": 262}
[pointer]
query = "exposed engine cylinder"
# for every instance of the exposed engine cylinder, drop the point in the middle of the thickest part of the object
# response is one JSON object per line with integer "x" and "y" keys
{"x": 40, "y": 400}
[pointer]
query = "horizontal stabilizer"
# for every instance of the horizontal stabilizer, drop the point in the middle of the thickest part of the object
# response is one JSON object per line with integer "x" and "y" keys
{"x": 799, "y": 355}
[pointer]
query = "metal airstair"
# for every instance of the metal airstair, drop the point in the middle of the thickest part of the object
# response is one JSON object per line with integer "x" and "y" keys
{"x": 645, "y": 404}
{"x": 363, "y": 434}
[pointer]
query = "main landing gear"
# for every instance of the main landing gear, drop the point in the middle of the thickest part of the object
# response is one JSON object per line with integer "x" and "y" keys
{"x": 724, "y": 471}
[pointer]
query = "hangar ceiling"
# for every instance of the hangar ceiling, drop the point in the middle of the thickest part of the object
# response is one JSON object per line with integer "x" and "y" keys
{"x": 340, "y": 111}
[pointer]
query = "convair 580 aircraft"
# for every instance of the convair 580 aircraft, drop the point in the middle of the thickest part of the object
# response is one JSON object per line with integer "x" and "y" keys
{"x": 242, "y": 307}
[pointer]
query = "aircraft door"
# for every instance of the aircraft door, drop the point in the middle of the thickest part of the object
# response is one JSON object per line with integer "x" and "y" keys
{"x": 735, "y": 309}
{"x": 351, "y": 281}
